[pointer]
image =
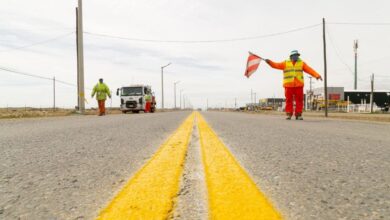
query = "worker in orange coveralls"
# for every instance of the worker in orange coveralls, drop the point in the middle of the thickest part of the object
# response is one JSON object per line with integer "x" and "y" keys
{"x": 148, "y": 103}
{"x": 293, "y": 82}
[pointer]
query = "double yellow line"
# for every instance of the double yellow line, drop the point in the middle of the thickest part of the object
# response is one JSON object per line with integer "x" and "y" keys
{"x": 152, "y": 192}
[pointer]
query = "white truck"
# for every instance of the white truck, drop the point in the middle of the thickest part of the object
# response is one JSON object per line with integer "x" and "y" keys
{"x": 133, "y": 98}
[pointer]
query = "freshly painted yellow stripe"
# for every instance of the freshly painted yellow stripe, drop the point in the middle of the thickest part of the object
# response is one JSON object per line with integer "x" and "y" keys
{"x": 150, "y": 193}
{"x": 232, "y": 193}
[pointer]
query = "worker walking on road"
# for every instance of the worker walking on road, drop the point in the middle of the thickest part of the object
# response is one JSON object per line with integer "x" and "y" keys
{"x": 101, "y": 90}
{"x": 148, "y": 102}
{"x": 293, "y": 82}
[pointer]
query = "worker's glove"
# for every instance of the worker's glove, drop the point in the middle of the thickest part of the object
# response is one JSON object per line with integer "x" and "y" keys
{"x": 319, "y": 78}
{"x": 267, "y": 60}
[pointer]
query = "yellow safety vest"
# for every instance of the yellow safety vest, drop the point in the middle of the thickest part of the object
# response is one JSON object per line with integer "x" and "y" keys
{"x": 293, "y": 74}
{"x": 148, "y": 98}
{"x": 101, "y": 90}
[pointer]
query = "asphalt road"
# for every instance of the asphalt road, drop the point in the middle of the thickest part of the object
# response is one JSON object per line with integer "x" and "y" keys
{"x": 313, "y": 169}
{"x": 70, "y": 167}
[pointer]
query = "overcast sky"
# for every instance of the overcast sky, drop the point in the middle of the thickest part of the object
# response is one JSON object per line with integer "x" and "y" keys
{"x": 213, "y": 71}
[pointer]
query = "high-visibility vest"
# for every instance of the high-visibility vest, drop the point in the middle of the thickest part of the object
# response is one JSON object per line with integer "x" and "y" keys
{"x": 293, "y": 74}
{"x": 101, "y": 90}
{"x": 148, "y": 98}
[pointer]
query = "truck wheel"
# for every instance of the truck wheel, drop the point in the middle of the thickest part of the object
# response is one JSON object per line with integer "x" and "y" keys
{"x": 136, "y": 111}
{"x": 124, "y": 112}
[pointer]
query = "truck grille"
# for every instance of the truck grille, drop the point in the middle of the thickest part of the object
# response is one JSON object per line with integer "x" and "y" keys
{"x": 131, "y": 104}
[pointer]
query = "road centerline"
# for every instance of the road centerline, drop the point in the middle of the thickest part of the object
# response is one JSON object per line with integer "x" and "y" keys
{"x": 232, "y": 193}
{"x": 151, "y": 192}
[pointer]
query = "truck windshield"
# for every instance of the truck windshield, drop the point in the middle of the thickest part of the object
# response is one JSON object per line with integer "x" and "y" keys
{"x": 130, "y": 91}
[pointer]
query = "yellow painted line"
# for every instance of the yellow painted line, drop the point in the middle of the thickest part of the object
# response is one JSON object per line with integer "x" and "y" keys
{"x": 150, "y": 193}
{"x": 232, "y": 193}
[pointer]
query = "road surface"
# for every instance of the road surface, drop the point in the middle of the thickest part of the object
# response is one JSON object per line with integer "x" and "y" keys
{"x": 72, "y": 167}
{"x": 316, "y": 168}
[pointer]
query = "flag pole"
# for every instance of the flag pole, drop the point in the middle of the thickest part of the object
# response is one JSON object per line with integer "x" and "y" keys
{"x": 256, "y": 55}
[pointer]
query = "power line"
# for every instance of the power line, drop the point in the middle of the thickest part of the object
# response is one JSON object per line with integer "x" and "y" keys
{"x": 66, "y": 83}
{"x": 38, "y": 76}
{"x": 204, "y": 41}
{"x": 362, "y": 63}
{"x": 42, "y": 29}
{"x": 342, "y": 60}
{"x": 361, "y": 24}
{"x": 337, "y": 51}
{"x": 37, "y": 43}
{"x": 382, "y": 76}
{"x": 34, "y": 76}
{"x": 25, "y": 74}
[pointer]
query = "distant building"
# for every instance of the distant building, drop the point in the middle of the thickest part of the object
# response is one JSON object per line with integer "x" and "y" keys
{"x": 381, "y": 97}
{"x": 275, "y": 103}
{"x": 267, "y": 104}
{"x": 334, "y": 93}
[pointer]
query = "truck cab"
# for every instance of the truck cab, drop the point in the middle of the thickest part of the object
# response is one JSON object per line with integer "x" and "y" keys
{"x": 133, "y": 98}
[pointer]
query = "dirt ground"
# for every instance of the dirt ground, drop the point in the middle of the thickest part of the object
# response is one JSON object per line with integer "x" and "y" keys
{"x": 48, "y": 112}
{"x": 40, "y": 112}
{"x": 380, "y": 117}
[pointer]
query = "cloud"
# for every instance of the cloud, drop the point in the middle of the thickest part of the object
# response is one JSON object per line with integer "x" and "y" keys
{"x": 196, "y": 63}
{"x": 205, "y": 70}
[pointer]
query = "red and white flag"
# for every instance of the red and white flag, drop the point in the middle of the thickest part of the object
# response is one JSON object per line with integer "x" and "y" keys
{"x": 252, "y": 64}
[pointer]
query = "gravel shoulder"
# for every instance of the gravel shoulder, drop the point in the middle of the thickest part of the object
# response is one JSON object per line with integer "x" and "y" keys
{"x": 376, "y": 117}
{"x": 313, "y": 169}
{"x": 70, "y": 167}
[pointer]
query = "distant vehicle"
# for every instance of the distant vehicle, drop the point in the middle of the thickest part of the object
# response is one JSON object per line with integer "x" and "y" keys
{"x": 133, "y": 98}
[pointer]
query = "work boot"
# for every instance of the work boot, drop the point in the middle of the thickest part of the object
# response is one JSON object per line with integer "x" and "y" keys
{"x": 288, "y": 116}
{"x": 298, "y": 117}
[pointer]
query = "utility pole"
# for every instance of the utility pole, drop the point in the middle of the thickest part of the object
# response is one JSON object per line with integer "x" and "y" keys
{"x": 174, "y": 92}
{"x": 355, "y": 47}
{"x": 372, "y": 94}
{"x": 111, "y": 100}
{"x": 235, "y": 103}
{"x": 311, "y": 94}
{"x": 325, "y": 69}
{"x": 181, "y": 90}
{"x": 184, "y": 102}
{"x": 251, "y": 97}
{"x": 162, "y": 88}
{"x": 306, "y": 100}
{"x": 255, "y": 101}
{"x": 54, "y": 94}
{"x": 273, "y": 104}
{"x": 80, "y": 57}
{"x": 77, "y": 57}
{"x": 162, "y": 85}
